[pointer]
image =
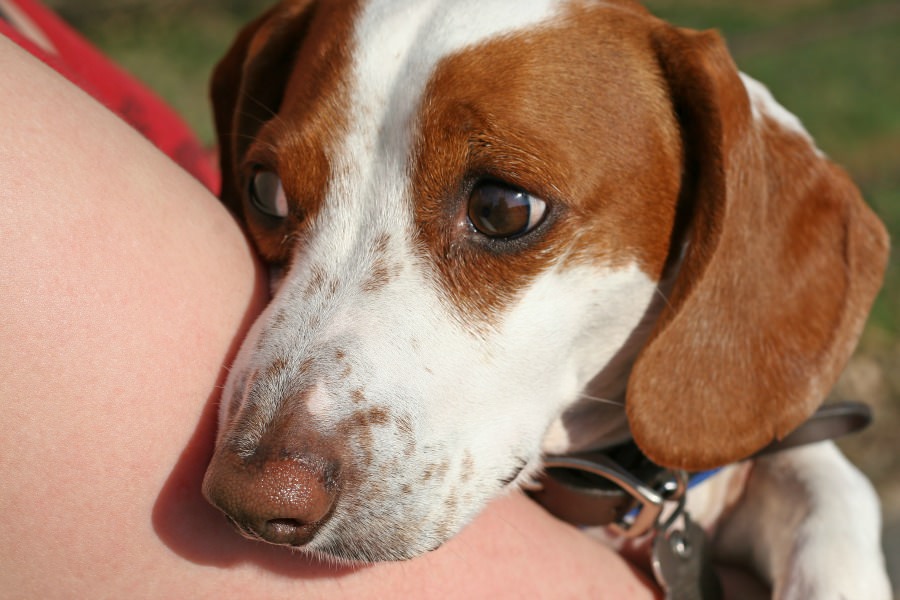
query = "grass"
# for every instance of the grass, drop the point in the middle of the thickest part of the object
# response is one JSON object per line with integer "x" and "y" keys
{"x": 171, "y": 45}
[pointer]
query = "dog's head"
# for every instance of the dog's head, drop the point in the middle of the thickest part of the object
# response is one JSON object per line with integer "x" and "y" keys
{"x": 483, "y": 216}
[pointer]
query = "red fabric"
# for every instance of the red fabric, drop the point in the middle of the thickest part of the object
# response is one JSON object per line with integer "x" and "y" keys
{"x": 85, "y": 66}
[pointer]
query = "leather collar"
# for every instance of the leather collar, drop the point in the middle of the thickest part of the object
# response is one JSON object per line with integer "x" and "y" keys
{"x": 620, "y": 486}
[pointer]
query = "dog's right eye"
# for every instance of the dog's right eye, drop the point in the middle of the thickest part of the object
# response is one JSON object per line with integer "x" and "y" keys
{"x": 267, "y": 195}
{"x": 501, "y": 211}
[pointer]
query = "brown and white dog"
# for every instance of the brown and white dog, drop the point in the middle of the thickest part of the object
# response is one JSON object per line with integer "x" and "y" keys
{"x": 505, "y": 228}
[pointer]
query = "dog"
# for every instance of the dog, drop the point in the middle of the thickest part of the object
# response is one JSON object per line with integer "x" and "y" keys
{"x": 499, "y": 230}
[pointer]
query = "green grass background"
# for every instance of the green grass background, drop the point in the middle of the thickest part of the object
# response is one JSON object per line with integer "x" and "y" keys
{"x": 834, "y": 63}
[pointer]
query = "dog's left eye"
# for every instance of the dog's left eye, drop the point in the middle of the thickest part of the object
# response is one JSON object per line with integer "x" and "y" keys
{"x": 500, "y": 211}
{"x": 267, "y": 194}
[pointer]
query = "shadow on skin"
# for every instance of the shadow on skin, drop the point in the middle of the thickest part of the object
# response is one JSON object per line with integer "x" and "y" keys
{"x": 190, "y": 526}
{"x": 196, "y": 531}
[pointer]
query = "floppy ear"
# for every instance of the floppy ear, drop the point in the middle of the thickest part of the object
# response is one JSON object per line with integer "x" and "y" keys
{"x": 248, "y": 85}
{"x": 781, "y": 265}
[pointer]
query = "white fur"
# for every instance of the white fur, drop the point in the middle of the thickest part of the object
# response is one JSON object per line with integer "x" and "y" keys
{"x": 764, "y": 105}
{"x": 809, "y": 523}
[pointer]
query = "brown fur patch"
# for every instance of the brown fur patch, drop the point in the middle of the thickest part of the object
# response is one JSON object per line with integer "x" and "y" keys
{"x": 280, "y": 106}
{"x": 566, "y": 115}
{"x": 783, "y": 263}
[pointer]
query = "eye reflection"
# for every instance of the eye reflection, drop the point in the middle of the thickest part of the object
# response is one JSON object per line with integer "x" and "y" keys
{"x": 500, "y": 211}
{"x": 267, "y": 195}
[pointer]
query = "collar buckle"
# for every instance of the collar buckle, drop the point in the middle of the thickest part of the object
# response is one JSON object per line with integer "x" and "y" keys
{"x": 593, "y": 489}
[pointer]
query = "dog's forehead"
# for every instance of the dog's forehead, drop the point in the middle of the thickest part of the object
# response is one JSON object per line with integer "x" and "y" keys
{"x": 398, "y": 44}
{"x": 360, "y": 76}
{"x": 563, "y": 99}
{"x": 370, "y": 63}
{"x": 368, "y": 57}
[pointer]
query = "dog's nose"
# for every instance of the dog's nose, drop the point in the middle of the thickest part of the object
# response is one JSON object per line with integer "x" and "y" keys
{"x": 281, "y": 501}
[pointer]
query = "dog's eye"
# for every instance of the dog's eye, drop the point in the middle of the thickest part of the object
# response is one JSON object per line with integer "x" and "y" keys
{"x": 267, "y": 194}
{"x": 501, "y": 211}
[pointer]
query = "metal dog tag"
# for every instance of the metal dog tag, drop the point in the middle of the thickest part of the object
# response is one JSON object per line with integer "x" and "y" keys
{"x": 682, "y": 566}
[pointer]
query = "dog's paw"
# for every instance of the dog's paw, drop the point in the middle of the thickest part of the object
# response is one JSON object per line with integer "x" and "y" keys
{"x": 834, "y": 552}
{"x": 833, "y": 571}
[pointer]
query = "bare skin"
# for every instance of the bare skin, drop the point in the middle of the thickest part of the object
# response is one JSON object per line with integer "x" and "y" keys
{"x": 125, "y": 288}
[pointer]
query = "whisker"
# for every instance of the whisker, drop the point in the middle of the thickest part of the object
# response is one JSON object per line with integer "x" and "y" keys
{"x": 665, "y": 299}
{"x": 272, "y": 113}
{"x": 602, "y": 400}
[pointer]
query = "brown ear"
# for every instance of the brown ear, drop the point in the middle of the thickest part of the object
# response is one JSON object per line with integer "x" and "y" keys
{"x": 782, "y": 262}
{"x": 248, "y": 84}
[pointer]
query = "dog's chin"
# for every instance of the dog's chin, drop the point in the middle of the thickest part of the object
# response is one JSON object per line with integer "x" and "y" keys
{"x": 340, "y": 553}
{"x": 347, "y": 550}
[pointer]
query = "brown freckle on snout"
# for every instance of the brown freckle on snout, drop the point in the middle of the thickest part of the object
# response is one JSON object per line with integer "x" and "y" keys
{"x": 451, "y": 504}
{"x": 339, "y": 354}
{"x": 277, "y": 366}
{"x": 363, "y": 420}
{"x": 468, "y": 466}
{"x": 436, "y": 470}
{"x": 279, "y": 319}
{"x": 305, "y": 367}
{"x": 382, "y": 271}
{"x": 316, "y": 281}
{"x": 358, "y": 396}
{"x": 376, "y": 415}
{"x": 405, "y": 431}
{"x": 379, "y": 277}
{"x": 381, "y": 243}
{"x": 358, "y": 429}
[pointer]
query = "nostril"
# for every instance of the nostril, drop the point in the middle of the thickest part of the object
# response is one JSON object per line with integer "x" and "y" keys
{"x": 287, "y": 531}
{"x": 283, "y": 526}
